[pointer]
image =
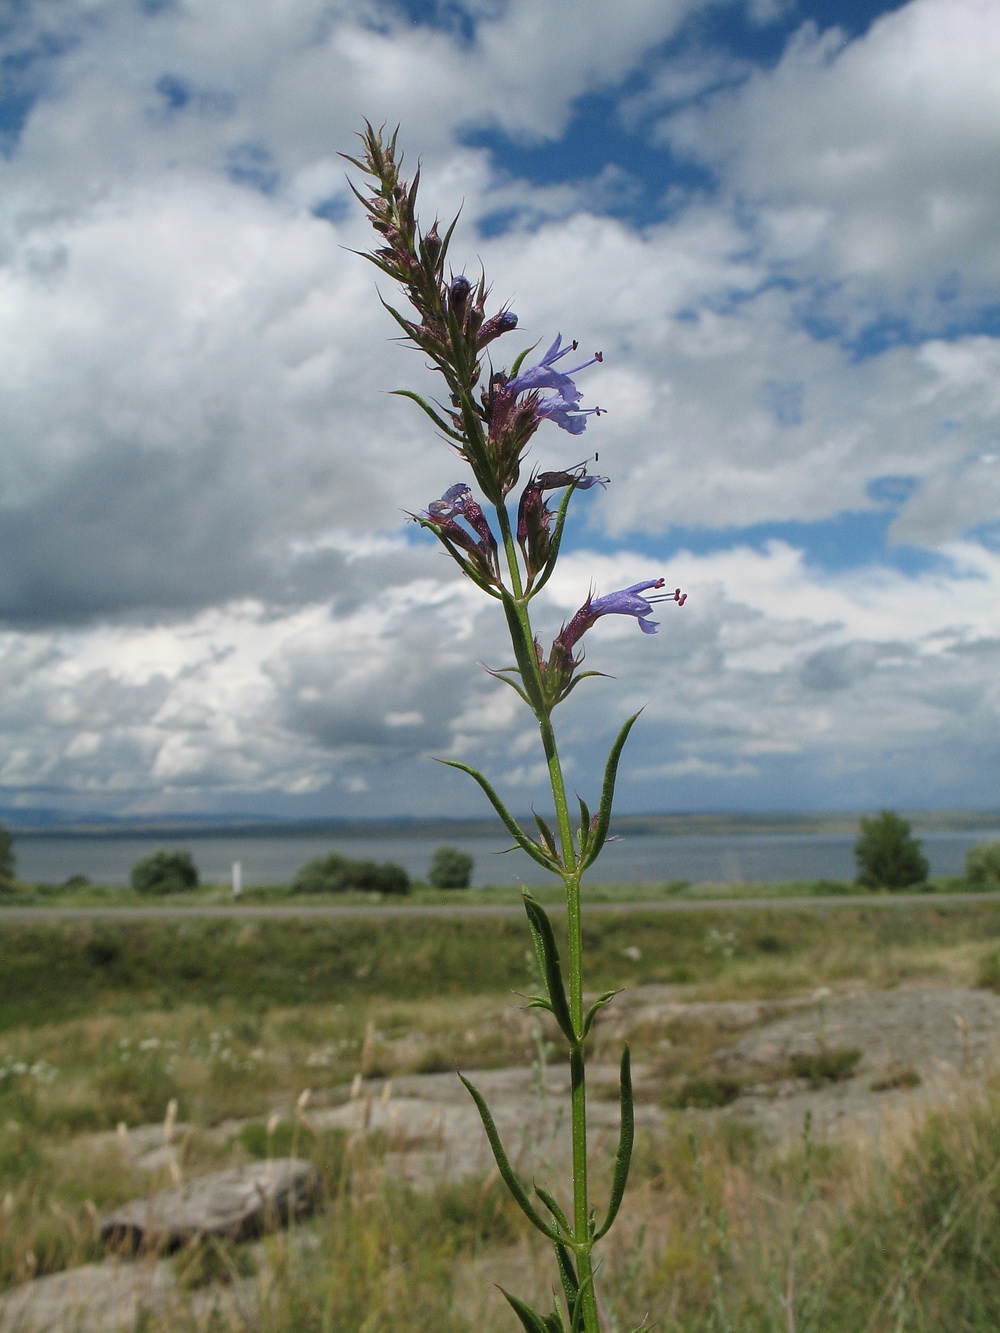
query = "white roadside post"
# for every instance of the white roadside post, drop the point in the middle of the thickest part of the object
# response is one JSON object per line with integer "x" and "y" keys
{"x": 237, "y": 878}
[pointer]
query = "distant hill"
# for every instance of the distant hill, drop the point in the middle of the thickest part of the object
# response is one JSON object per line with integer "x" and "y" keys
{"x": 53, "y": 823}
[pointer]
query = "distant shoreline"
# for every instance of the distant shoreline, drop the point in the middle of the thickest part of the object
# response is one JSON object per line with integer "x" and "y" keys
{"x": 678, "y": 825}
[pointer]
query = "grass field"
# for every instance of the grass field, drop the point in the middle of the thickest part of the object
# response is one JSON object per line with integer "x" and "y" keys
{"x": 98, "y": 895}
{"x": 108, "y": 1022}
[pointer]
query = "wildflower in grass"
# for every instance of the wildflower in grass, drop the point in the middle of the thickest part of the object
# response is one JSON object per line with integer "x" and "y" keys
{"x": 490, "y": 428}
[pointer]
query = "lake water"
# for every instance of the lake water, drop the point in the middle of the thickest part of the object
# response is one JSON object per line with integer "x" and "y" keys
{"x": 637, "y": 859}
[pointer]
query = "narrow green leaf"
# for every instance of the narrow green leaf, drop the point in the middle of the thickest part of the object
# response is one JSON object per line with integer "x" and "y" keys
{"x": 446, "y": 238}
{"x": 538, "y": 1002}
{"x": 583, "y": 837}
{"x": 551, "y": 1204}
{"x": 436, "y": 417}
{"x": 582, "y": 675}
{"x": 468, "y": 568}
{"x": 524, "y": 655}
{"x": 576, "y": 1314}
{"x": 531, "y": 1322}
{"x": 600, "y": 833}
{"x": 539, "y": 947}
{"x": 626, "y": 1139}
{"x": 548, "y": 838}
{"x": 555, "y": 540}
{"x": 553, "y": 1323}
{"x": 551, "y": 970}
{"x": 512, "y": 373}
{"x": 507, "y": 1172}
{"x": 596, "y": 1007}
{"x": 504, "y": 674}
{"x": 569, "y": 1279}
{"x": 520, "y": 837}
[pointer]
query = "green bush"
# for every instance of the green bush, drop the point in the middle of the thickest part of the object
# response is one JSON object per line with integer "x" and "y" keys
{"x": 8, "y": 864}
{"x": 833, "y": 1065}
{"x": 451, "y": 869}
{"x": 165, "y": 872}
{"x": 888, "y": 857}
{"x": 988, "y": 971}
{"x": 982, "y": 865}
{"x": 339, "y": 874}
{"x": 704, "y": 1094}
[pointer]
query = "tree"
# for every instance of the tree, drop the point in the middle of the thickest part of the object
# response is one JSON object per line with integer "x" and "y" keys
{"x": 451, "y": 869}
{"x": 982, "y": 865}
{"x": 888, "y": 856}
{"x": 165, "y": 872}
{"x": 339, "y": 874}
{"x": 8, "y": 863}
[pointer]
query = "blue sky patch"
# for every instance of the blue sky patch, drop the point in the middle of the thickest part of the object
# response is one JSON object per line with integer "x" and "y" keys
{"x": 852, "y": 539}
{"x": 251, "y": 164}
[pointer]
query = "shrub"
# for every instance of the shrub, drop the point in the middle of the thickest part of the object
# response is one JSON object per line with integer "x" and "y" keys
{"x": 988, "y": 971}
{"x": 825, "y": 1066}
{"x": 982, "y": 865}
{"x": 165, "y": 872}
{"x": 339, "y": 874}
{"x": 705, "y": 1094}
{"x": 451, "y": 869}
{"x": 8, "y": 864}
{"x": 888, "y": 857}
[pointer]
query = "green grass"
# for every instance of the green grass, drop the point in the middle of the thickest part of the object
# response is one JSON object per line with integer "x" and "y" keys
{"x": 53, "y": 970}
{"x": 108, "y": 1021}
{"x": 97, "y": 895}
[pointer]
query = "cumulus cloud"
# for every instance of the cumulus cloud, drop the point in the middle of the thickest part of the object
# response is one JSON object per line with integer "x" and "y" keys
{"x": 869, "y": 161}
{"x": 206, "y": 580}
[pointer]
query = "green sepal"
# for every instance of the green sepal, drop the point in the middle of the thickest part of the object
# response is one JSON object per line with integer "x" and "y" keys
{"x": 531, "y": 1322}
{"x": 595, "y": 1009}
{"x": 507, "y": 1172}
{"x": 600, "y": 834}
{"x": 547, "y": 837}
{"x": 525, "y": 843}
{"x": 438, "y": 420}
{"x": 553, "y": 1323}
{"x": 548, "y": 958}
{"x": 626, "y": 1138}
{"x": 550, "y": 1203}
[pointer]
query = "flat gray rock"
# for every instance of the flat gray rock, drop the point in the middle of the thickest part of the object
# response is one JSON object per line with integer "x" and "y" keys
{"x": 240, "y": 1203}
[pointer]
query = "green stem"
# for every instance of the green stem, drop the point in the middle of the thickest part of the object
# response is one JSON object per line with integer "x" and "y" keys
{"x": 577, "y": 1064}
{"x": 525, "y": 653}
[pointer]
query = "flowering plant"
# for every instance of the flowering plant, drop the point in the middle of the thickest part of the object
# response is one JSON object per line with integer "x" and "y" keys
{"x": 489, "y": 420}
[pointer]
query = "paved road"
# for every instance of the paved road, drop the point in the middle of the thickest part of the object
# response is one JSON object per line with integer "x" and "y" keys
{"x": 284, "y": 911}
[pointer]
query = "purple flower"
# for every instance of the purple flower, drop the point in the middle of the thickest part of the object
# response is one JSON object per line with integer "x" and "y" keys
{"x": 457, "y": 500}
{"x": 563, "y": 405}
{"x": 626, "y": 602}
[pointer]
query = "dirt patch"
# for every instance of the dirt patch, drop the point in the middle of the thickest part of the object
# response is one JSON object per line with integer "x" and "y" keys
{"x": 915, "y": 1046}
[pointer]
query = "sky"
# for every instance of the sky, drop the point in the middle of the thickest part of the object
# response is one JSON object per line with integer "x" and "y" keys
{"x": 777, "y": 219}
